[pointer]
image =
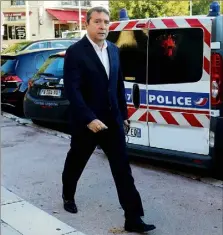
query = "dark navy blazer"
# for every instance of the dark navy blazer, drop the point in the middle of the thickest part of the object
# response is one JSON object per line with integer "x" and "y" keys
{"x": 92, "y": 95}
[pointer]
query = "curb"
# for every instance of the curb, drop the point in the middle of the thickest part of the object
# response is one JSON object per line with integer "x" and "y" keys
{"x": 27, "y": 122}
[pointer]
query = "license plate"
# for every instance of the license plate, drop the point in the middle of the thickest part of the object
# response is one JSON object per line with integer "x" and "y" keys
{"x": 50, "y": 92}
{"x": 134, "y": 132}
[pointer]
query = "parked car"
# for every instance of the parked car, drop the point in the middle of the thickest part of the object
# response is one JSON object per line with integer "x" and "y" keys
{"x": 45, "y": 99}
{"x": 16, "y": 70}
{"x": 76, "y": 34}
{"x": 39, "y": 44}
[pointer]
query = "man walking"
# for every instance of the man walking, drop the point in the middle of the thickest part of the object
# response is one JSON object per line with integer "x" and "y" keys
{"x": 94, "y": 86}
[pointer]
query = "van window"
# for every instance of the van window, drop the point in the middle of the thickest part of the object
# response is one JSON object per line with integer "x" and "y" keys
{"x": 174, "y": 55}
{"x": 133, "y": 47}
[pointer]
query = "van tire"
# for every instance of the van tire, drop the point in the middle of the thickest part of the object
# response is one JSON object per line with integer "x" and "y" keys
{"x": 217, "y": 169}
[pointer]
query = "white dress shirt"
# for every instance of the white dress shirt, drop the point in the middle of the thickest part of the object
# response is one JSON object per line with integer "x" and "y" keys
{"x": 102, "y": 54}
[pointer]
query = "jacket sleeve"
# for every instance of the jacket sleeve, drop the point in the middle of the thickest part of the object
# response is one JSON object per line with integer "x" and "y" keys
{"x": 121, "y": 93}
{"x": 72, "y": 86}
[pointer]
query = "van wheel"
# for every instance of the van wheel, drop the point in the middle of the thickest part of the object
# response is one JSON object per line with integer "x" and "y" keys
{"x": 217, "y": 171}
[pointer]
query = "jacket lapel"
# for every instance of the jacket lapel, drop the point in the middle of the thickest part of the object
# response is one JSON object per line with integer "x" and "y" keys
{"x": 112, "y": 58}
{"x": 93, "y": 55}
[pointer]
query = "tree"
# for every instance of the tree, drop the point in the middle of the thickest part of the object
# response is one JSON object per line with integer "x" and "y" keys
{"x": 148, "y": 8}
{"x": 201, "y": 7}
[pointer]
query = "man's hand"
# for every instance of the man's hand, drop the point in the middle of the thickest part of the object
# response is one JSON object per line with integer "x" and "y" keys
{"x": 96, "y": 126}
{"x": 126, "y": 126}
{"x": 126, "y": 123}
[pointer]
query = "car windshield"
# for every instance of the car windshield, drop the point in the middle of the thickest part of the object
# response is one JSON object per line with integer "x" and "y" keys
{"x": 16, "y": 47}
{"x": 52, "y": 66}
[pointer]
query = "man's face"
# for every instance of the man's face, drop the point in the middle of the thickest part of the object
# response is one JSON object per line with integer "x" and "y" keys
{"x": 98, "y": 26}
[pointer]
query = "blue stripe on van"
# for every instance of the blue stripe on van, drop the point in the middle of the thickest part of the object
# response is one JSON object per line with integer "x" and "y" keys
{"x": 172, "y": 98}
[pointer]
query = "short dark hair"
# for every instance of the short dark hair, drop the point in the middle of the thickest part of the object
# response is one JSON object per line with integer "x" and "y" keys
{"x": 97, "y": 9}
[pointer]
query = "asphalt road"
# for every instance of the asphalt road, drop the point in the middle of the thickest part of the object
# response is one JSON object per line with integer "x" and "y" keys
{"x": 178, "y": 204}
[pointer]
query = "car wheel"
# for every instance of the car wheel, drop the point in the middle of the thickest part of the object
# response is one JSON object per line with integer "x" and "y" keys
{"x": 19, "y": 109}
{"x": 38, "y": 122}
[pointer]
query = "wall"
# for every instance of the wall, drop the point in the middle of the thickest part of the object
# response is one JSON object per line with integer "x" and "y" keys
{"x": 37, "y": 30}
{"x": 47, "y": 28}
{"x": 104, "y": 4}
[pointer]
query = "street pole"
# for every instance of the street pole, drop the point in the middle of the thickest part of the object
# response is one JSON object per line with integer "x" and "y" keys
{"x": 2, "y": 28}
{"x": 80, "y": 22}
{"x": 27, "y": 21}
{"x": 191, "y": 5}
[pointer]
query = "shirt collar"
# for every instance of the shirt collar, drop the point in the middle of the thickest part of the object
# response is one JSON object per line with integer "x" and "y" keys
{"x": 95, "y": 45}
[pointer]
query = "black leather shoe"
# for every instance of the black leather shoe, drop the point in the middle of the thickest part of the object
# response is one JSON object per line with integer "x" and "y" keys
{"x": 138, "y": 226}
{"x": 69, "y": 205}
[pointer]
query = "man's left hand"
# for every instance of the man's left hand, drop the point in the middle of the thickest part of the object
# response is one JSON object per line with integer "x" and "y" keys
{"x": 126, "y": 123}
{"x": 126, "y": 126}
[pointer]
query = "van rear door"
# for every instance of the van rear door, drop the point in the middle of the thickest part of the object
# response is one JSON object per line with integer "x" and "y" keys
{"x": 179, "y": 84}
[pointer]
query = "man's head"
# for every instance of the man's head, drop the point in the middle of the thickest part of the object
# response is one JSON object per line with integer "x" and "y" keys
{"x": 97, "y": 24}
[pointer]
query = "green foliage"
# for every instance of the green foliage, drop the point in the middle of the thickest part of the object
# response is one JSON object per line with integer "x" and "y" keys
{"x": 148, "y": 8}
{"x": 201, "y": 7}
{"x": 15, "y": 47}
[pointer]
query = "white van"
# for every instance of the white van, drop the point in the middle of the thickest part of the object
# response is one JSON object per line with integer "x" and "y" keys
{"x": 173, "y": 71}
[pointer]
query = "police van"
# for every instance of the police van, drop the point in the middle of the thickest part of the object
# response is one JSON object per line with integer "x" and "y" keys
{"x": 173, "y": 75}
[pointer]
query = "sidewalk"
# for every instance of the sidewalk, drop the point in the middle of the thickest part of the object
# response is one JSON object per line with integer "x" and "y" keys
{"x": 19, "y": 217}
{"x": 32, "y": 162}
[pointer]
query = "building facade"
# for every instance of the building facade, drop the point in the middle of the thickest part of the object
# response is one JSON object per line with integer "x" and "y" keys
{"x": 47, "y": 19}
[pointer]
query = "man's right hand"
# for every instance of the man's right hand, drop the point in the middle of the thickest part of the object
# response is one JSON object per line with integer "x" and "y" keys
{"x": 96, "y": 126}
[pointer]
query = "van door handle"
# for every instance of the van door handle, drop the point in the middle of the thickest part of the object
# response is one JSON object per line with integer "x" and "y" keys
{"x": 136, "y": 95}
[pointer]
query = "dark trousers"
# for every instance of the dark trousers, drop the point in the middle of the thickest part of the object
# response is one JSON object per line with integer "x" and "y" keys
{"x": 112, "y": 142}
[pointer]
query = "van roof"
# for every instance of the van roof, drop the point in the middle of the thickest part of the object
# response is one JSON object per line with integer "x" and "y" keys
{"x": 168, "y": 17}
{"x": 160, "y": 22}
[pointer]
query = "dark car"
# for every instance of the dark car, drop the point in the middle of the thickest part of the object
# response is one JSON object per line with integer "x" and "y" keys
{"x": 39, "y": 44}
{"x": 45, "y": 99}
{"x": 16, "y": 70}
